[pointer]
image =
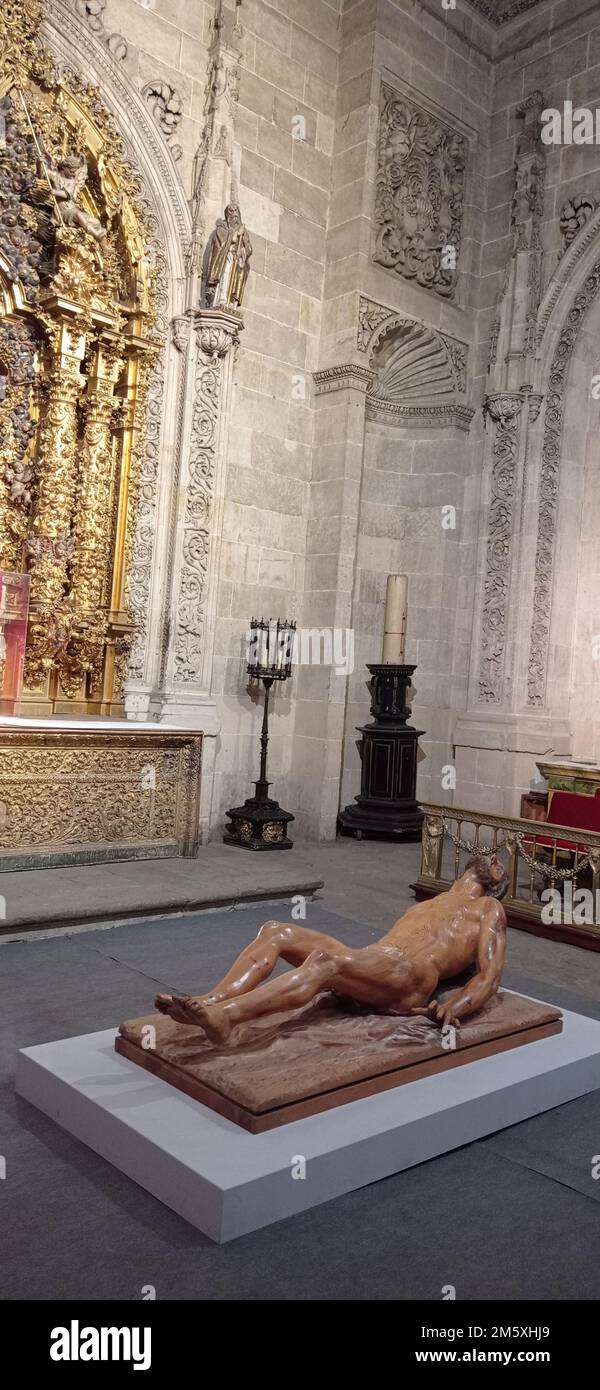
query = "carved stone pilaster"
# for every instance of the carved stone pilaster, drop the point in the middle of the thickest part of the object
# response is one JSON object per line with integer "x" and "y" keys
{"x": 504, "y": 409}
{"x": 214, "y": 336}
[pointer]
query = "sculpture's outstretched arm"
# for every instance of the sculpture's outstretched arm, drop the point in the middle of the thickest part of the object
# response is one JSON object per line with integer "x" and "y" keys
{"x": 491, "y": 950}
{"x": 490, "y": 960}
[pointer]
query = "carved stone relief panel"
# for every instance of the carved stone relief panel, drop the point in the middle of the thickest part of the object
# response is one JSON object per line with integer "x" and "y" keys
{"x": 419, "y": 196}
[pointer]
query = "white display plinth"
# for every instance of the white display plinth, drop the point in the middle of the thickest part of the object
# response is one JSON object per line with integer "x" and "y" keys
{"x": 227, "y": 1182}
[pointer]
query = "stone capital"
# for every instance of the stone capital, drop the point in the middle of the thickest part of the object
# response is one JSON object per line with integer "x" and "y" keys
{"x": 217, "y": 331}
{"x": 502, "y": 406}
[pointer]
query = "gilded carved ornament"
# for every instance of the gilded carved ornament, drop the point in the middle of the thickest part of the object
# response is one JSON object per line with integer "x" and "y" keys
{"x": 78, "y": 307}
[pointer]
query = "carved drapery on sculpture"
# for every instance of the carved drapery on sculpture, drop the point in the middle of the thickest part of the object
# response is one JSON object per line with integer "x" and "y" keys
{"x": 504, "y": 410}
{"x": 77, "y": 305}
{"x": 419, "y": 194}
{"x": 227, "y": 262}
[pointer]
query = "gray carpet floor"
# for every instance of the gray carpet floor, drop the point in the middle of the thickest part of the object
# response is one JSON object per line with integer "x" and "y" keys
{"x": 516, "y": 1215}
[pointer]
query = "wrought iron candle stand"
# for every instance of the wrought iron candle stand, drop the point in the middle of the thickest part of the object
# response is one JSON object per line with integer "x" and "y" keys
{"x": 261, "y": 823}
{"x": 387, "y": 804}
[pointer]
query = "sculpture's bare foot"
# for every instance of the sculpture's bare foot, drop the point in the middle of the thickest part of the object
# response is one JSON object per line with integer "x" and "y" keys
{"x": 182, "y": 1008}
{"x": 213, "y": 1019}
{"x": 174, "y": 1006}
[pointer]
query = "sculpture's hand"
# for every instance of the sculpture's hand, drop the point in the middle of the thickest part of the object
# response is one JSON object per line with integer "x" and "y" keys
{"x": 441, "y": 1011}
{"x": 426, "y": 1011}
{"x": 448, "y": 1013}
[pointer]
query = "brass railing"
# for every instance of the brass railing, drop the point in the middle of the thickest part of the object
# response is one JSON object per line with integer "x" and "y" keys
{"x": 530, "y": 850}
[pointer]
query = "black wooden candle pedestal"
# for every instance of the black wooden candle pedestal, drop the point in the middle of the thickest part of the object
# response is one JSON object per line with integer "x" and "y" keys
{"x": 387, "y": 803}
{"x": 260, "y": 823}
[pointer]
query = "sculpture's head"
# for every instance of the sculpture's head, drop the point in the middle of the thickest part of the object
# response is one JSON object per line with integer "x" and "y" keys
{"x": 71, "y": 164}
{"x": 490, "y": 874}
{"x": 233, "y": 215}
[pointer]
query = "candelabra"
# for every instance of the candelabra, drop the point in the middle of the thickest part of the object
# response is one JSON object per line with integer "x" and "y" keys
{"x": 388, "y": 804}
{"x": 261, "y": 823}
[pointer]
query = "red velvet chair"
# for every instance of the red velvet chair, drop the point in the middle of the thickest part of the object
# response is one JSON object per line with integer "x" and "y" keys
{"x": 568, "y": 808}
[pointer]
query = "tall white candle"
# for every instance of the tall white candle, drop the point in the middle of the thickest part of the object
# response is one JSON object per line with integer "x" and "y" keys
{"x": 394, "y": 623}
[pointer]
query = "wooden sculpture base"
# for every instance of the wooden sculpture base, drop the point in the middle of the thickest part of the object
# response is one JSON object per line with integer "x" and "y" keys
{"x": 291, "y": 1067}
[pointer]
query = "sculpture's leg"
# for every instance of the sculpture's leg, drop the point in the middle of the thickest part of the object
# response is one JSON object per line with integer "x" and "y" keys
{"x": 368, "y": 976}
{"x": 255, "y": 963}
{"x": 289, "y": 991}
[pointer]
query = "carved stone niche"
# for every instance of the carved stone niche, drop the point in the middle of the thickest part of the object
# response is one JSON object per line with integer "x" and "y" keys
{"x": 416, "y": 376}
{"x": 419, "y": 194}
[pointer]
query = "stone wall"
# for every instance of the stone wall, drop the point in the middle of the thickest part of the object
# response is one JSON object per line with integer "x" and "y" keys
{"x": 324, "y": 495}
{"x": 550, "y": 676}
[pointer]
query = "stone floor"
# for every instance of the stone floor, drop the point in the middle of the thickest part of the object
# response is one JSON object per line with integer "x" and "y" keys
{"x": 367, "y": 881}
{"x": 514, "y": 1215}
{"x": 74, "y": 1227}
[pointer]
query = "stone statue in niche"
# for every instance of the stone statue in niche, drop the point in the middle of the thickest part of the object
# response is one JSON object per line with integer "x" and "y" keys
{"x": 435, "y": 941}
{"x": 67, "y": 178}
{"x": 419, "y": 195}
{"x": 227, "y": 262}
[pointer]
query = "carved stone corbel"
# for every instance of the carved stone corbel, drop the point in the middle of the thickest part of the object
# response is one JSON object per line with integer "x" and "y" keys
{"x": 180, "y": 329}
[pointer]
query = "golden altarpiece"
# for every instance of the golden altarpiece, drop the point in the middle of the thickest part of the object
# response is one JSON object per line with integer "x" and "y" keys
{"x": 76, "y": 349}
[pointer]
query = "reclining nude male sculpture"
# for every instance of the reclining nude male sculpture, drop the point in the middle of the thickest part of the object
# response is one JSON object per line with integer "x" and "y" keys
{"x": 434, "y": 941}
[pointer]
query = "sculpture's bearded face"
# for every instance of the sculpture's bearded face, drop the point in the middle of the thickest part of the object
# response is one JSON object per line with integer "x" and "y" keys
{"x": 491, "y": 875}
